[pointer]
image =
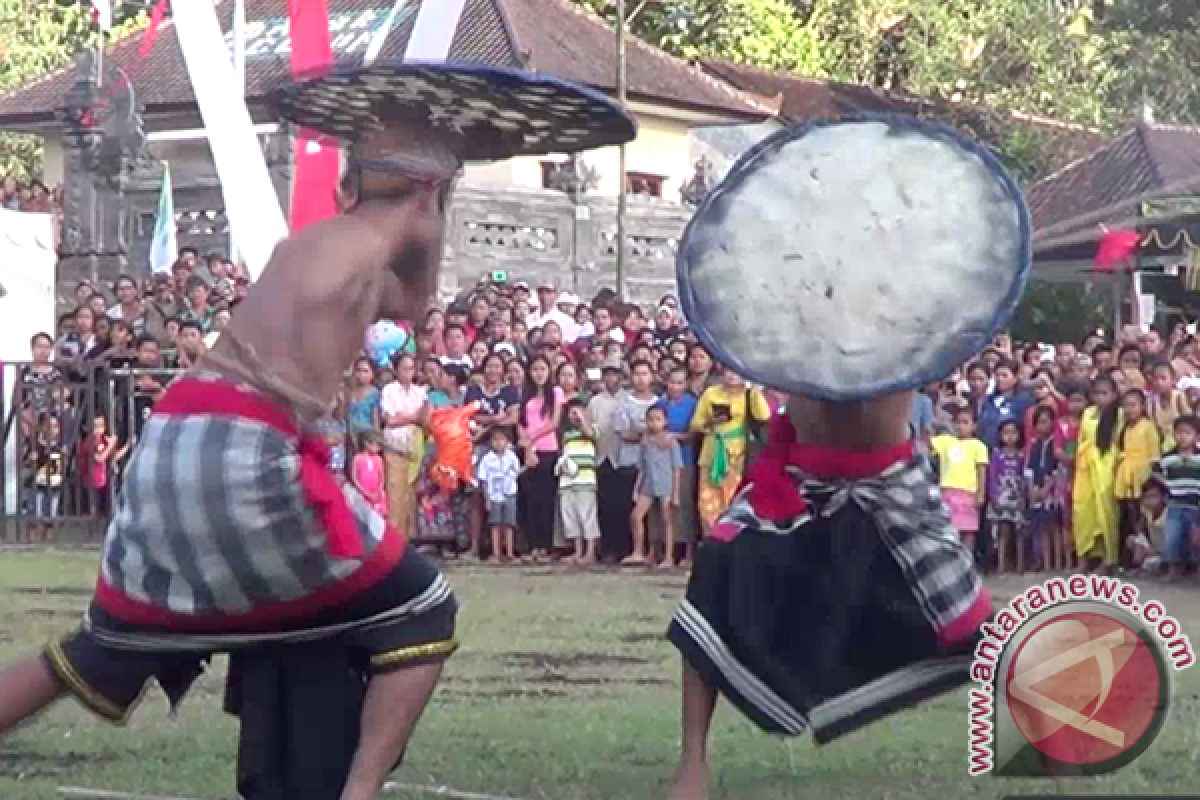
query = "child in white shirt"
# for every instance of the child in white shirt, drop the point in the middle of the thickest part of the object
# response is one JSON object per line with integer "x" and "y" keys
{"x": 497, "y": 473}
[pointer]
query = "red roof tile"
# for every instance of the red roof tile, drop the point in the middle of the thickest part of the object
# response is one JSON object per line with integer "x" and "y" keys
{"x": 549, "y": 36}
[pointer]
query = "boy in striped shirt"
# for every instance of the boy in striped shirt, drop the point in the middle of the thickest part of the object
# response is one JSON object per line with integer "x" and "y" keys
{"x": 577, "y": 484}
{"x": 1181, "y": 470}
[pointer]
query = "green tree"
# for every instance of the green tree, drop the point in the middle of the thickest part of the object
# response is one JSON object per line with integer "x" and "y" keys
{"x": 37, "y": 36}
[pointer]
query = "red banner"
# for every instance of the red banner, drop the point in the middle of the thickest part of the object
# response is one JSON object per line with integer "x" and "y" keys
{"x": 314, "y": 184}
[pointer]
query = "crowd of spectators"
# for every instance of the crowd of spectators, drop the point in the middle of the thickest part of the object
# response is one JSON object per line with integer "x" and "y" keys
{"x": 32, "y": 196}
{"x": 606, "y": 433}
{"x": 1073, "y": 456}
{"x": 91, "y": 383}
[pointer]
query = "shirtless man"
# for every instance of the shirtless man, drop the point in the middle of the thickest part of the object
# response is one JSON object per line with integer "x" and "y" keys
{"x": 230, "y": 530}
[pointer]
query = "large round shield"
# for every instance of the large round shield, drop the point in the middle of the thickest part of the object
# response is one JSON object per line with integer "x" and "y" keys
{"x": 848, "y": 259}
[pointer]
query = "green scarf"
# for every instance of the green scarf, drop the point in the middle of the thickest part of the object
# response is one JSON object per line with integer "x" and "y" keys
{"x": 719, "y": 469}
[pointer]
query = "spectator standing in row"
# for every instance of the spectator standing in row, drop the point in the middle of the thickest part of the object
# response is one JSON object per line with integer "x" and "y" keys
{"x": 1095, "y": 515}
{"x": 541, "y": 415}
{"x": 198, "y": 309}
{"x": 161, "y": 307}
{"x": 724, "y": 415}
{"x": 962, "y": 461}
{"x": 362, "y": 403}
{"x": 1180, "y": 470}
{"x": 441, "y": 517}
{"x": 401, "y": 403}
{"x": 629, "y": 422}
{"x": 657, "y": 485}
{"x": 367, "y": 471}
{"x": 602, "y": 410}
{"x": 498, "y": 473}
{"x": 129, "y": 307}
{"x": 680, "y": 406}
{"x": 577, "y": 484}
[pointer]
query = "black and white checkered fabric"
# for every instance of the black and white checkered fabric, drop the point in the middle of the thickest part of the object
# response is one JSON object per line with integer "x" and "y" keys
{"x": 212, "y": 518}
{"x": 489, "y": 113}
{"x": 906, "y": 502}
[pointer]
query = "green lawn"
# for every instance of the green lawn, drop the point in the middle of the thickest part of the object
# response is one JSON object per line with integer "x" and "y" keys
{"x": 564, "y": 689}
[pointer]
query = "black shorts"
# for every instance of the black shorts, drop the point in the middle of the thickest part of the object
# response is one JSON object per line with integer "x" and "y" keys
{"x": 816, "y": 629}
{"x": 109, "y": 679}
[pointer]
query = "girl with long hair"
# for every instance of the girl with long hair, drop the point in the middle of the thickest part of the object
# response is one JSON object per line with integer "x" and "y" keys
{"x": 1095, "y": 518}
{"x": 541, "y": 413}
{"x": 1140, "y": 446}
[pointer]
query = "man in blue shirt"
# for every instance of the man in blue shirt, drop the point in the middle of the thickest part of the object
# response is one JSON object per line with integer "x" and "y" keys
{"x": 920, "y": 420}
{"x": 681, "y": 405}
{"x": 1005, "y": 403}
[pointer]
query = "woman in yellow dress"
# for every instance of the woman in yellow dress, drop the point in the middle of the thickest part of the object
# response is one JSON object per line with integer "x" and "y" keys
{"x": 724, "y": 415}
{"x": 1141, "y": 446}
{"x": 1095, "y": 517}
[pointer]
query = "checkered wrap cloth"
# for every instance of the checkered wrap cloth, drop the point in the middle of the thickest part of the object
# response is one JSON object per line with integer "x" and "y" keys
{"x": 829, "y": 601}
{"x": 229, "y": 519}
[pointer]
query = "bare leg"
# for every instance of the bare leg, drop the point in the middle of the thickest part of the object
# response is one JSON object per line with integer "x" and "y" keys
{"x": 498, "y": 553}
{"x": 668, "y": 514}
{"x": 474, "y": 525}
{"x": 26, "y": 688}
{"x": 692, "y": 776}
{"x": 393, "y": 705}
{"x": 637, "y": 521}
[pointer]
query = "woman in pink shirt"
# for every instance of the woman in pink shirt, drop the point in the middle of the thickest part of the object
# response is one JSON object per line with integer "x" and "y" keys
{"x": 402, "y": 404}
{"x": 541, "y": 411}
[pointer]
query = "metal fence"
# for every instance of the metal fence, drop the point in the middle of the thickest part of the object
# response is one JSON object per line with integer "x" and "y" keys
{"x": 68, "y": 436}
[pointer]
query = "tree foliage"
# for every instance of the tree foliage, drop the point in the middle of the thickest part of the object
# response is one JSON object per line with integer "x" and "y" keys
{"x": 37, "y": 36}
{"x": 1091, "y": 62}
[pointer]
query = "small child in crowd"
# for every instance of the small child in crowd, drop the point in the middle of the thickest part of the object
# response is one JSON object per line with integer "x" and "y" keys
{"x": 1146, "y": 545}
{"x": 1041, "y": 471}
{"x": 1166, "y": 402}
{"x": 657, "y": 483}
{"x": 577, "y": 484}
{"x": 1140, "y": 448}
{"x": 1006, "y": 494}
{"x": 497, "y": 472}
{"x": 962, "y": 465}
{"x": 1180, "y": 470}
{"x": 368, "y": 472}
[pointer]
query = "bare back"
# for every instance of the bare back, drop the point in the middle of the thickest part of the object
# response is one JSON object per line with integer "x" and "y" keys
{"x": 303, "y": 322}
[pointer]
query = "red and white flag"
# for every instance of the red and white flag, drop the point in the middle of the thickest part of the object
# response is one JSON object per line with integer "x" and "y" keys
{"x": 102, "y": 14}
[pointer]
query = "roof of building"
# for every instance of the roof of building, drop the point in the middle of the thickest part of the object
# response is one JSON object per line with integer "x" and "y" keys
{"x": 802, "y": 98}
{"x": 553, "y": 37}
{"x": 1107, "y": 186}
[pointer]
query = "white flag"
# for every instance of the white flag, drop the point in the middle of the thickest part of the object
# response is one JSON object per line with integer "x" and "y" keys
{"x": 250, "y": 200}
{"x": 239, "y": 76}
{"x": 433, "y": 32}
{"x": 102, "y": 14}
{"x": 163, "y": 248}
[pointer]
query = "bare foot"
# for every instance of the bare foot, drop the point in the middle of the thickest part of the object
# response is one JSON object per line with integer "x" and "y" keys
{"x": 634, "y": 561}
{"x": 691, "y": 781}
{"x": 666, "y": 564}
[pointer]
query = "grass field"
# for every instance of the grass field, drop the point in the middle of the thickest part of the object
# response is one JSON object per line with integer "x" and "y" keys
{"x": 564, "y": 689}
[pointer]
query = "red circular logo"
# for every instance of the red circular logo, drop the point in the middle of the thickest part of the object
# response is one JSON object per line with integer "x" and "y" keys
{"x": 1084, "y": 688}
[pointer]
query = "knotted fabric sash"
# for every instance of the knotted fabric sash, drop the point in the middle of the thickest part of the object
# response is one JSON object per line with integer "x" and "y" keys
{"x": 791, "y": 482}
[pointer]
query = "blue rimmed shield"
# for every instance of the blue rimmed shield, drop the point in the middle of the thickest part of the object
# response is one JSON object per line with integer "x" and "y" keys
{"x": 847, "y": 259}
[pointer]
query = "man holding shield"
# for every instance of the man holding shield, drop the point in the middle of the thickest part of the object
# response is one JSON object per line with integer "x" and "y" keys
{"x": 230, "y": 532}
{"x": 834, "y": 590}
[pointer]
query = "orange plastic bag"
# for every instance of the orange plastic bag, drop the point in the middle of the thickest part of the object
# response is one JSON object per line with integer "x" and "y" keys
{"x": 451, "y": 432}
